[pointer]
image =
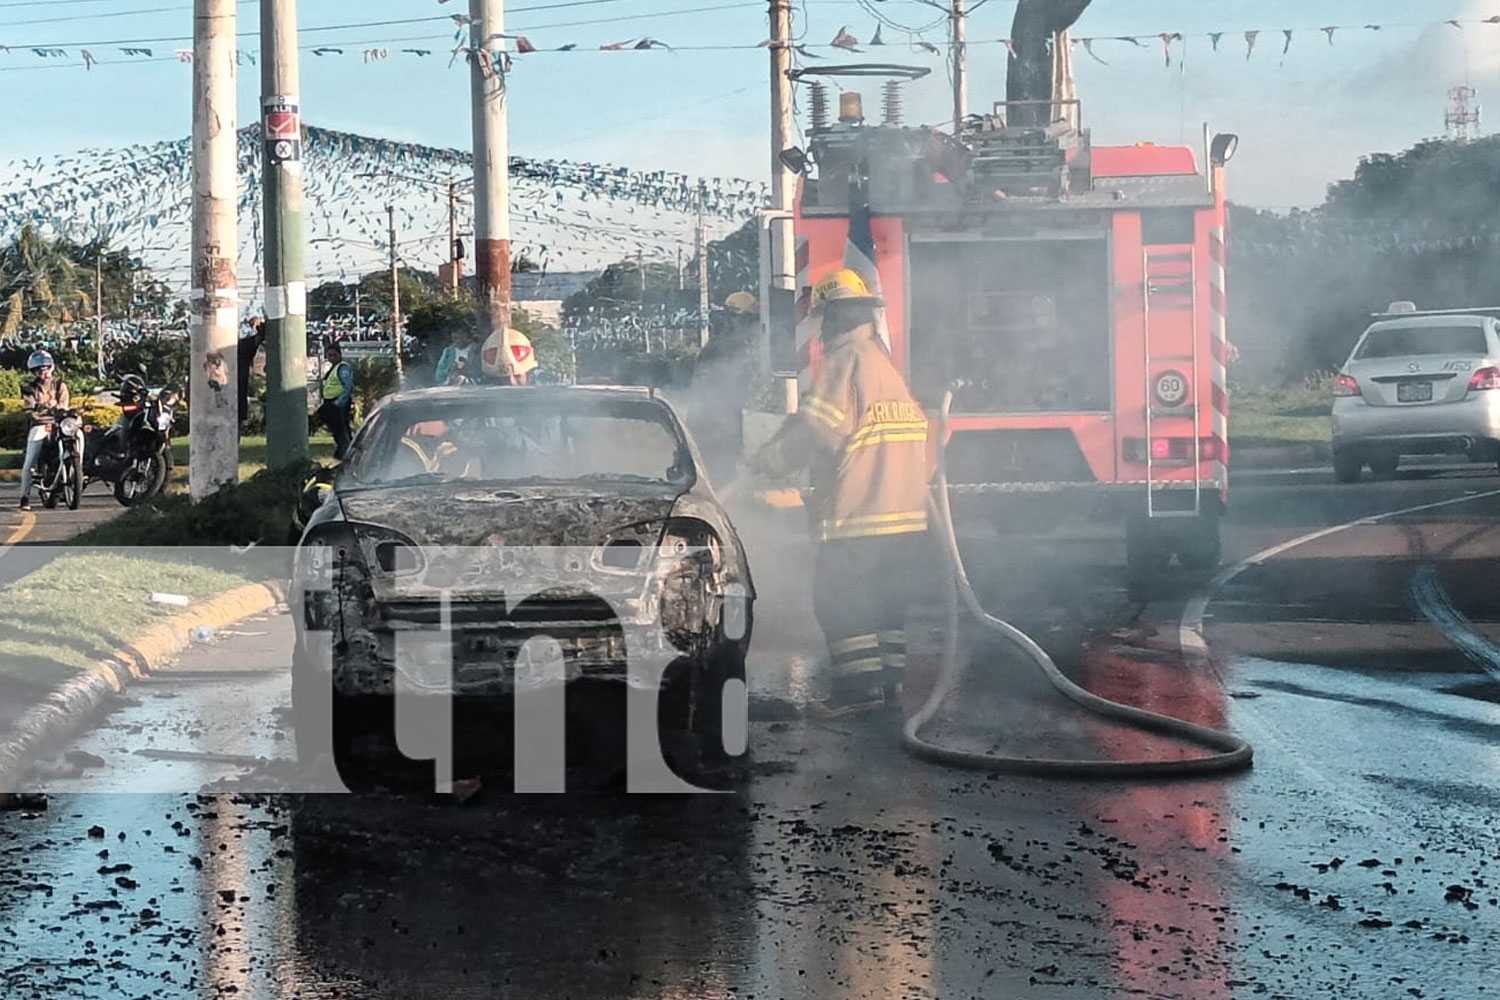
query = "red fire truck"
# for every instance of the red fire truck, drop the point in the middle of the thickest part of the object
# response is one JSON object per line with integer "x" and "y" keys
{"x": 1070, "y": 295}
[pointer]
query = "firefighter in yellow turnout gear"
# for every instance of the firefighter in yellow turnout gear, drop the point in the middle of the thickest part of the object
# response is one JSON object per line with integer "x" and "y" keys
{"x": 864, "y": 439}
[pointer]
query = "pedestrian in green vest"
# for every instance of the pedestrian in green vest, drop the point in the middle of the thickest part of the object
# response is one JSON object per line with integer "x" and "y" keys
{"x": 336, "y": 411}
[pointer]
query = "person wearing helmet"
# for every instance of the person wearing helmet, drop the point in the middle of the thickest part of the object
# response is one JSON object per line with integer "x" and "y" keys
{"x": 864, "y": 438}
{"x": 508, "y": 357}
{"x": 42, "y": 397}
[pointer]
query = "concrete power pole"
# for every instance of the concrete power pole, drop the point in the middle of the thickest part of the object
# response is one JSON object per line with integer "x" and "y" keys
{"x": 960, "y": 67}
{"x": 491, "y": 165}
{"x": 390, "y": 213}
{"x": 286, "y": 286}
{"x": 453, "y": 261}
{"x": 704, "y": 304}
{"x": 783, "y": 266}
{"x": 214, "y": 408}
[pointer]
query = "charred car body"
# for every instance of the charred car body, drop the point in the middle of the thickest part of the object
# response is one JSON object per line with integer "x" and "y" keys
{"x": 468, "y": 522}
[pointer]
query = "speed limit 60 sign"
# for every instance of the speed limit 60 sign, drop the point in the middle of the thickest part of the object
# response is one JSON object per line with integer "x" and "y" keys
{"x": 1171, "y": 388}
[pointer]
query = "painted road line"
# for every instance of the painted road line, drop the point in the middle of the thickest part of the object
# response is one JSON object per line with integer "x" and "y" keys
{"x": 1190, "y": 629}
{"x": 19, "y": 532}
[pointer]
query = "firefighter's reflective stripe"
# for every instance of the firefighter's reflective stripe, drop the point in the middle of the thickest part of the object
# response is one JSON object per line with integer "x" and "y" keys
{"x": 893, "y": 648}
{"x": 859, "y": 654}
{"x": 427, "y": 464}
{"x": 824, "y": 412}
{"x": 870, "y": 525}
{"x": 888, "y": 432}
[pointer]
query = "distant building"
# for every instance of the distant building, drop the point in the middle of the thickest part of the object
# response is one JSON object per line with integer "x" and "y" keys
{"x": 542, "y": 294}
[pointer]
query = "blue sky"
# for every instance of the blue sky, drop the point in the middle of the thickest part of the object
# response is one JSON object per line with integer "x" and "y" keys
{"x": 1304, "y": 117}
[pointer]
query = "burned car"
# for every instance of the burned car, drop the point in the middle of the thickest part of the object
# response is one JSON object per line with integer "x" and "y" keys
{"x": 484, "y": 544}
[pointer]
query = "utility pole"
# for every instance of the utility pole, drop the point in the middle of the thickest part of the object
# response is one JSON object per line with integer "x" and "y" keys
{"x": 783, "y": 189}
{"x": 286, "y": 285}
{"x": 960, "y": 67}
{"x": 390, "y": 212}
{"x": 214, "y": 408}
{"x": 453, "y": 258}
{"x": 703, "y": 300}
{"x": 99, "y": 307}
{"x": 491, "y": 164}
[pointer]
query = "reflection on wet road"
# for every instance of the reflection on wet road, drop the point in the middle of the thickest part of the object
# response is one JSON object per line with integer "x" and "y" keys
{"x": 1358, "y": 859}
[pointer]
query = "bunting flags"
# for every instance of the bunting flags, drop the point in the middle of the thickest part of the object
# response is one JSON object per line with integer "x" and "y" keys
{"x": 579, "y": 215}
{"x": 372, "y": 51}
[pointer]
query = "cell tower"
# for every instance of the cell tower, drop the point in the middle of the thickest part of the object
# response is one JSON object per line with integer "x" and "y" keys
{"x": 1462, "y": 119}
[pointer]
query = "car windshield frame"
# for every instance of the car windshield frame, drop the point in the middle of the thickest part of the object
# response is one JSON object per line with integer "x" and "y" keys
{"x": 375, "y": 438}
{"x": 1418, "y": 336}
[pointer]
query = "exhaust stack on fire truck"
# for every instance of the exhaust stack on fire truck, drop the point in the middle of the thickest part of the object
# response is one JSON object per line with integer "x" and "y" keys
{"x": 1072, "y": 294}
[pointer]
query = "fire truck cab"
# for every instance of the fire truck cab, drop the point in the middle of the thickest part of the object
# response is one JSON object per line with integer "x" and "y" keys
{"x": 1071, "y": 296}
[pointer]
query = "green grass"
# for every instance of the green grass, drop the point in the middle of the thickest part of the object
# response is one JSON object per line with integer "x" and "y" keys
{"x": 252, "y": 456}
{"x": 76, "y": 610}
{"x": 1280, "y": 418}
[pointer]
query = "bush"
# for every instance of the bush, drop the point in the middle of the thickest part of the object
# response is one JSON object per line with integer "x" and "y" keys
{"x": 256, "y": 512}
{"x": 374, "y": 379}
{"x": 159, "y": 361}
{"x": 12, "y": 383}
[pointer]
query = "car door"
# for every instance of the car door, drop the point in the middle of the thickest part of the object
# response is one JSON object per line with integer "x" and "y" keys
{"x": 1420, "y": 364}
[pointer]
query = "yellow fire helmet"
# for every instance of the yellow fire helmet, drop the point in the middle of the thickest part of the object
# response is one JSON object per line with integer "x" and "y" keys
{"x": 508, "y": 352}
{"x": 843, "y": 285}
{"x": 744, "y": 303}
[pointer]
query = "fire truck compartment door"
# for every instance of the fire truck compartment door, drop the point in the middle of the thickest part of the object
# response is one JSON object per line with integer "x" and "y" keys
{"x": 1024, "y": 325}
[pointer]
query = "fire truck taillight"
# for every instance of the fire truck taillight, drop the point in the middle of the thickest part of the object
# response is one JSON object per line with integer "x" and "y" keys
{"x": 1346, "y": 385}
{"x": 1176, "y": 450}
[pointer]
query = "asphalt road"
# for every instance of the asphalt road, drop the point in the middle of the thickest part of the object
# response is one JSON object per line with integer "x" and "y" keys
{"x": 1359, "y": 858}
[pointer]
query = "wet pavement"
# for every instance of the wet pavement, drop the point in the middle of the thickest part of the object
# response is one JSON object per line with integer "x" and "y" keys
{"x": 1359, "y": 858}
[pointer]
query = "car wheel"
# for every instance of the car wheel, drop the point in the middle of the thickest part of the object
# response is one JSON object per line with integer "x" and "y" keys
{"x": 1383, "y": 464}
{"x": 1347, "y": 465}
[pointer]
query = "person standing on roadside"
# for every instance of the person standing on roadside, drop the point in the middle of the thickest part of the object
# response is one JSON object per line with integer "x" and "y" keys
{"x": 336, "y": 411}
{"x": 249, "y": 347}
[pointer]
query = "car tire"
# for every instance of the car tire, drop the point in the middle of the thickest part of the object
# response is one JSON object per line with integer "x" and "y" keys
{"x": 1383, "y": 464}
{"x": 1347, "y": 465}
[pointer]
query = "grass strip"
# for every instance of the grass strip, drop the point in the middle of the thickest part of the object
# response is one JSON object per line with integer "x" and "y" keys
{"x": 79, "y": 608}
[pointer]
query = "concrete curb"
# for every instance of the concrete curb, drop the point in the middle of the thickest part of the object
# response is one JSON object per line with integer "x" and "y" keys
{"x": 65, "y": 713}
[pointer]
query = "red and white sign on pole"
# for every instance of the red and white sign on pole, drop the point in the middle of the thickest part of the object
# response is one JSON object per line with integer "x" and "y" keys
{"x": 282, "y": 126}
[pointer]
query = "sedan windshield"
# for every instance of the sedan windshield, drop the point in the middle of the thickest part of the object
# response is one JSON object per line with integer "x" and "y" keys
{"x": 1404, "y": 341}
{"x": 508, "y": 438}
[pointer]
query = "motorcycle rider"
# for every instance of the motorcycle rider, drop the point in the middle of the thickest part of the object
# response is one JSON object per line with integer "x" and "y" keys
{"x": 42, "y": 397}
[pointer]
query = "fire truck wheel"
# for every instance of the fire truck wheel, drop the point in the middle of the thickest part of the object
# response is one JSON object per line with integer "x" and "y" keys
{"x": 1147, "y": 551}
{"x": 1197, "y": 545}
{"x": 1347, "y": 465}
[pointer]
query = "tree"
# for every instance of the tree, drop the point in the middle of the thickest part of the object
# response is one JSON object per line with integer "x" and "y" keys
{"x": 1029, "y": 76}
{"x": 39, "y": 283}
{"x": 48, "y": 283}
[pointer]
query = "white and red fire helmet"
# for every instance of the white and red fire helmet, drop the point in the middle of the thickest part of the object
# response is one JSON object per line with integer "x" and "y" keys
{"x": 508, "y": 352}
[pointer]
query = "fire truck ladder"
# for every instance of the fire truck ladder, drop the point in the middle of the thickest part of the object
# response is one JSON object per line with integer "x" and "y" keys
{"x": 1171, "y": 283}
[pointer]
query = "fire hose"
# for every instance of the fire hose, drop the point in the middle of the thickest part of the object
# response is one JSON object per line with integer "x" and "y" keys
{"x": 1231, "y": 752}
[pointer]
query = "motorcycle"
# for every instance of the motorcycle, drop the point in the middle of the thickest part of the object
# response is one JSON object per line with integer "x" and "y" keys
{"x": 136, "y": 453}
{"x": 58, "y": 473}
